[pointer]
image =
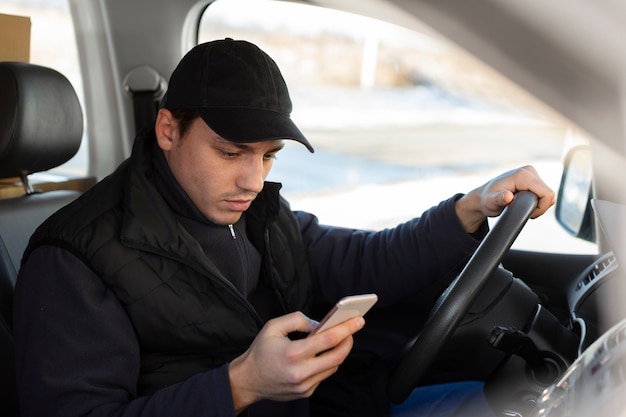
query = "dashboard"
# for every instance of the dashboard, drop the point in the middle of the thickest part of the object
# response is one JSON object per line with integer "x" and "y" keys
{"x": 594, "y": 384}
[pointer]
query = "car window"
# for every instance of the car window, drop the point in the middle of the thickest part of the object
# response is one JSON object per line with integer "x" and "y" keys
{"x": 53, "y": 44}
{"x": 400, "y": 119}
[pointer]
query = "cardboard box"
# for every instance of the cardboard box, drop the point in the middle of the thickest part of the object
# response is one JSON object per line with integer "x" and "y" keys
{"x": 14, "y": 38}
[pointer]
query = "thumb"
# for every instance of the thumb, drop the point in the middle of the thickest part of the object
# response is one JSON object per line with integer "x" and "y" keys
{"x": 292, "y": 322}
{"x": 497, "y": 202}
{"x": 507, "y": 197}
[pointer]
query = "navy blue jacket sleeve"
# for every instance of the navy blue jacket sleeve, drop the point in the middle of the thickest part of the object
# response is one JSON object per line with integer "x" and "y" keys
{"x": 393, "y": 262}
{"x": 77, "y": 353}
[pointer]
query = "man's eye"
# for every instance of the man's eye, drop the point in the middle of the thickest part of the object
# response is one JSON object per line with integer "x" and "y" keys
{"x": 270, "y": 156}
{"x": 230, "y": 154}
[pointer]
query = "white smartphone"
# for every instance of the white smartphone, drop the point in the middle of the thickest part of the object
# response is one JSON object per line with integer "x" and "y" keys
{"x": 346, "y": 308}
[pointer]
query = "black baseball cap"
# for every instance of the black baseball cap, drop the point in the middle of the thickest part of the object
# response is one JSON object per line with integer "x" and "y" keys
{"x": 238, "y": 91}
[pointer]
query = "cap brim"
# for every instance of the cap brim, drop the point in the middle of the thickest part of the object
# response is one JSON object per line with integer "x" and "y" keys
{"x": 245, "y": 125}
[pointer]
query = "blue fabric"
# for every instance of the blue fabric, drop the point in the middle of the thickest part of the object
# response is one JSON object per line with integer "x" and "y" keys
{"x": 458, "y": 399}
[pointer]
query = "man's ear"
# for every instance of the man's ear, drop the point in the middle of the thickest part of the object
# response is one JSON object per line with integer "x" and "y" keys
{"x": 166, "y": 129}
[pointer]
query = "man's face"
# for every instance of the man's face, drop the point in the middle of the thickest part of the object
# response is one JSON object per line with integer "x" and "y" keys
{"x": 222, "y": 178}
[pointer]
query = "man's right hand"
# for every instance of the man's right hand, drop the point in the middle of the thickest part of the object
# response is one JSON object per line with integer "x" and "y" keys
{"x": 280, "y": 369}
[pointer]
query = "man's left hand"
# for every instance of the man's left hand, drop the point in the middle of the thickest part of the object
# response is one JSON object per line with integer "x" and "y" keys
{"x": 491, "y": 198}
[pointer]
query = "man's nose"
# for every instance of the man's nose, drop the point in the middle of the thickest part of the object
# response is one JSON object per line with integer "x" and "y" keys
{"x": 252, "y": 177}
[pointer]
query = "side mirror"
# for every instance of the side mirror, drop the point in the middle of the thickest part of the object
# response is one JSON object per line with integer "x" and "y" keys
{"x": 573, "y": 204}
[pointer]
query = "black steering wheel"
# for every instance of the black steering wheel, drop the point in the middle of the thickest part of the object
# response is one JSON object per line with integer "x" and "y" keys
{"x": 456, "y": 300}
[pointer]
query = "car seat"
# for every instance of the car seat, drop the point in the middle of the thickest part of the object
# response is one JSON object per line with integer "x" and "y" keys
{"x": 41, "y": 127}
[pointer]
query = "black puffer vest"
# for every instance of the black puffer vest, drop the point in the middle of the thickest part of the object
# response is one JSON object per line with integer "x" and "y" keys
{"x": 187, "y": 316}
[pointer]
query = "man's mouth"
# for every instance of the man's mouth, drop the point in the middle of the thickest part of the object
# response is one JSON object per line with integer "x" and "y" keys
{"x": 238, "y": 205}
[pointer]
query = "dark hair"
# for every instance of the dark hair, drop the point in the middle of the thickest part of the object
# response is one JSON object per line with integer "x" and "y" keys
{"x": 184, "y": 117}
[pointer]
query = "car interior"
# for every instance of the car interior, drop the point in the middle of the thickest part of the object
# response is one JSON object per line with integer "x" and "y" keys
{"x": 544, "y": 329}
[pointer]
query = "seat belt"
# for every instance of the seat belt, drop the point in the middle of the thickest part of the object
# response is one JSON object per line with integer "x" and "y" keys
{"x": 146, "y": 87}
{"x": 145, "y": 108}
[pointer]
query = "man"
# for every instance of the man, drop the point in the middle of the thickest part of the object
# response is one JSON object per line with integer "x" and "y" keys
{"x": 183, "y": 285}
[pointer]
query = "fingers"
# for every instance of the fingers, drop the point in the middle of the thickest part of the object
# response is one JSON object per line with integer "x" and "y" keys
{"x": 521, "y": 179}
{"x": 275, "y": 367}
{"x": 527, "y": 178}
{"x": 323, "y": 365}
{"x": 547, "y": 198}
{"x": 542, "y": 206}
{"x": 491, "y": 198}
{"x": 333, "y": 337}
{"x": 318, "y": 356}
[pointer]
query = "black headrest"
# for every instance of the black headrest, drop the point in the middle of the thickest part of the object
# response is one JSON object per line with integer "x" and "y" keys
{"x": 41, "y": 121}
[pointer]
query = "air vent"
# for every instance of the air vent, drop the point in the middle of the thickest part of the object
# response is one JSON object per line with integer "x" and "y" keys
{"x": 590, "y": 279}
{"x": 596, "y": 271}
